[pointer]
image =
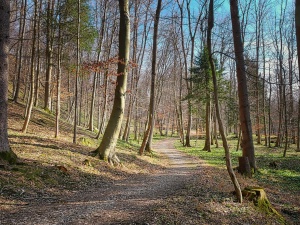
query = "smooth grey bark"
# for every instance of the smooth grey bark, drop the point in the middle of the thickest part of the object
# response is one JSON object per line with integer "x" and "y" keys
{"x": 106, "y": 150}
{"x": 5, "y": 151}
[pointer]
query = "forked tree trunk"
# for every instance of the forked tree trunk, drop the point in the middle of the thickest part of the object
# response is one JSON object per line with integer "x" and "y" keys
{"x": 244, "y": 108}
{"x": 5, "y": 151}
{"x": 221, "y": 128}
{"x": 106, "y": 150}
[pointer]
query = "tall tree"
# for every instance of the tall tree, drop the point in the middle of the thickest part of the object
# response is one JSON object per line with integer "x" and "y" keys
{"x": 148, "y": 134}
{"x": 49, "y": 53}
{"x": 20, "y": 52}
{"x": 221, "y": 128}
{"x": 77, "y": 72}
{"x": 5, "y": 151}
{"x": 32, "y": 71}
{"x": 297, "y": 24}
{"x": 244, "y": 108}
{"x": 106, "y": 150}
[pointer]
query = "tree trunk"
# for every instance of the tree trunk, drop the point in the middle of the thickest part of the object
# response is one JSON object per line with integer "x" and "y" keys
{"x": 208, "y": 124}
{"x": 58, "y": 84}
{"x": 101, "y": 37}
{"x": 106, "y": 150}
{"x": 297, "y": 23}
{"x": 221, "y": 128}
{"x": 244, "y": 108}
{"x": 32, "y": 72}
{"x": 215, "y": 130}
{"x": 49, "y": 55}
{"x": 77, "y": 73}
{"x": 37, "y": 84}
{"x": 5, "y": 151}
{"x": 20, "y": 53}
{"x": 148, "y": 134}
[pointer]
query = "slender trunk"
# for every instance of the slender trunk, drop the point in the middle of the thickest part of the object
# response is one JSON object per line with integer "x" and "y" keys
{"x": 208, "y": 124}
{"x": 49, "y": 55}
{"x": 215, "y": 130}
{"x": 77, "y": 72}
{"x": 269, "y": 111}
{"x": 104, "y": 108}
{"x": 58, "y": 84}
{"x": 264, "y": 90}
{"x": 297, "y": 24}
{"x": 20, "y": 52}
{"x": 221, "y": 128}
{"x": 148, "y": 134}
{"x": 258, "y": 25}
{"x": 32, "y": 72}
{"x": 36, "y": 93}
{"x": 101, "y": 37}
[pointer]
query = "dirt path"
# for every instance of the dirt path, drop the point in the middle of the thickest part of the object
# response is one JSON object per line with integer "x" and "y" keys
{"x": 123, "y": 202}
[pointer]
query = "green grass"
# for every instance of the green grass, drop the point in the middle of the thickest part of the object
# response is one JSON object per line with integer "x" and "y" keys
{"x": 286, "y": 174}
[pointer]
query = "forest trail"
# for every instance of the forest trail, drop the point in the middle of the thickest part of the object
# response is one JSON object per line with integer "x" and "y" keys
{"x": 127, "y": 201}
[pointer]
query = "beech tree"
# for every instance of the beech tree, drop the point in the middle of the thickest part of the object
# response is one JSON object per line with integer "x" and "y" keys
{"x": 216, "y": 97}
{"x": 244, "y": 108}
{"x": 148, "y": 134}
{"x": 297, "y": 24}
{"x": 5, "y": 151}
{"x": 29, "y": 105}
{"x": 106, "y": 150}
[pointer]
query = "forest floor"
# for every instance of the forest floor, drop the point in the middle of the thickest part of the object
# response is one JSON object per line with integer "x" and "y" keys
{"x": 57, "y": 182}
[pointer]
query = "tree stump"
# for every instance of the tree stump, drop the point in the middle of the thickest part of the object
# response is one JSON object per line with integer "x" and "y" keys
{"x": 244, "y": 166}
{"x": 259, "y": 197}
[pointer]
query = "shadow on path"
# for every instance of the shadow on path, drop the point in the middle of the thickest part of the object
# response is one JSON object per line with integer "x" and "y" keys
{"x": 122, "y": 202}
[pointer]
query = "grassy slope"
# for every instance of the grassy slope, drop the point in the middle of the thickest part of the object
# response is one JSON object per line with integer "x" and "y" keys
{"x": 51, "y": 167}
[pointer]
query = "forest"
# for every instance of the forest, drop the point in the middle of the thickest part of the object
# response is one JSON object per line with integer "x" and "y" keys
{"x": 182, "y": 96}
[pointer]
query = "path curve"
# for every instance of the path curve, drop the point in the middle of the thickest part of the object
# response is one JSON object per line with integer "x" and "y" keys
{"x": 123, "y": 202}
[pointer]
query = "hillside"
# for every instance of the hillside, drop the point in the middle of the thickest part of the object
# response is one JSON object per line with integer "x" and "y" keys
{"x": 50, "y": 167}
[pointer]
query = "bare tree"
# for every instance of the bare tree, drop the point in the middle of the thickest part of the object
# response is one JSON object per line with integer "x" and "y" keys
{"x": 106, "y": 150}
{"x": 29, "y": 105}
{"x": 148, "y": 134}
{"x": 5, "y": 151}
{"x": 297, "y": 24}
{"x": 244, "y": 108}
{"x": 221, "y": 128}
{"x": 77, "y": 72}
